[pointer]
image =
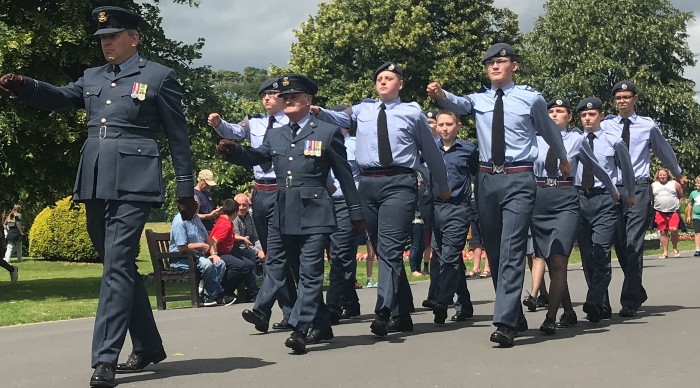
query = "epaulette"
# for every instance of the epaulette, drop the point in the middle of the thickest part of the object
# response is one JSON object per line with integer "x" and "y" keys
{"x": 577, "y": 130}
{"x": 259, "y": 116}
{"x": 482, "y": 89}
{"x": 526, "y": 87}
{"x": 610, "y": 117}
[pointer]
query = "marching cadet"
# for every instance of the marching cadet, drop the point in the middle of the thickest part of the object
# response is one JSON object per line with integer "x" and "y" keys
{"x": 639, "y": 133}
{"x": 556, "y": 214}
{"x": 119, "y": 177}
{"x": 452, "y": 218}
{"x": 302, "y": 152}
{"x": 390, "y": 135}
{"x": 598, "y": 216}
{"x": 264, "y": 189}
{"x": 506, "y": 118}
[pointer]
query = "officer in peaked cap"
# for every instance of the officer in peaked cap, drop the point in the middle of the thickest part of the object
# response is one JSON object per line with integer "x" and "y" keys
{"x": 303, "y": 153}
{"x": 119, "y": 177}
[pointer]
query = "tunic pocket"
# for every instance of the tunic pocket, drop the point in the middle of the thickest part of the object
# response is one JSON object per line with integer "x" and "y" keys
{"x": 316, "y": 207}
{"x": 91, "y": 95}
{"x": 139, "y": 167}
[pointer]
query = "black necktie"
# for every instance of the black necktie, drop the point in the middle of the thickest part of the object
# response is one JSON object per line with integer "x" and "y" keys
{"x": 498, "y": 136}
{"x": 626, "y": 131}
{"x": 116, "y": 70}
{"x": 550, "y": 164}
{"x": 385, "y": 157}
{"x": 295, "y": 129}
{"x": 587, "y": 177}
{"x": 266, "y": 166}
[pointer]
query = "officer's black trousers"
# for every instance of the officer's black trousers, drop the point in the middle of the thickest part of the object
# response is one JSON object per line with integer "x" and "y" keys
{"x": 342, "y": 256}
{"x": 451, "y": 228}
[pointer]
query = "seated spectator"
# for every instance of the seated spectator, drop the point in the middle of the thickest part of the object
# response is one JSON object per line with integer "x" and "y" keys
{"x": 192, "y": 236}
{"x": 247, "y": 245}
{"x": 238, "y": 268}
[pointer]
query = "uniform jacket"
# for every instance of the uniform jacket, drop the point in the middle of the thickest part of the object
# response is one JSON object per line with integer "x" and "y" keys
{"x": 120, "y": 160}
{"x": 304, "y": 205}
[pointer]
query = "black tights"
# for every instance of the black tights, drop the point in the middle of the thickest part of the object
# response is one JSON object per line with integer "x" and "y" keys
{"x": 558, "y": 286}
{"x": 7, "y": 266}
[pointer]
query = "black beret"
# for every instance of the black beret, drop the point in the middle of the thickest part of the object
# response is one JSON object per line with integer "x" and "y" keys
{"x": 297, "y": 83}
{"x": 562, "y": 102}
{"x": 114, "y": 19}
{"x": 625, "y": 86}
{"x": 499, "y": 50}
{"x": 431, "y": 113}
{"x": 590, "y": 103}
{"x": 270, "y": 84}
{"x": 390, "y": 66}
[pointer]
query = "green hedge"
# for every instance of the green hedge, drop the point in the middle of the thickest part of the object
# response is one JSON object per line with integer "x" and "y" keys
{"x": 60, "y": 233}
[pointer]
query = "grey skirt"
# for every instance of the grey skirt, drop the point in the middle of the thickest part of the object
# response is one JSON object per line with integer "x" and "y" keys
{"x": 554, "y": 221}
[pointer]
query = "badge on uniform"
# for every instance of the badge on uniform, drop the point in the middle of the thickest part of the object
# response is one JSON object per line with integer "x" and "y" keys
{"x": 312, "y": 147}
{"x": 139, "y": 91}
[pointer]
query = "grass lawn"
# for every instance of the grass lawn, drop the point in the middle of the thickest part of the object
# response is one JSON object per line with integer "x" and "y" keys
{"x": 50, "y": 291}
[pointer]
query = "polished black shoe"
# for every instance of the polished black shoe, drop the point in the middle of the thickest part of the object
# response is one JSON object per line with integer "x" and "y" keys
{"x": 139, "y": 360}
{"x": 567, "y": 319}
{"x": 530, "y": 302}
{"x": 627, "y": 312}
{"x": 548, "y": 326}
{"x": 440, "y": 313}
{"x": 429, "y": 304}
{"x": 592, "y": 311}
{"x": 400, "y": 323}
{"x": 315, "y": 335}
{"x": 380, "y": 325}
{"x": 261, "y": 322}
{"x": 461, "y": 317}
{"x": 103, "y": 376}
{"x": 296, "y": 342}
{"x": 282, "y": 325}
{"x": 335, "y": 314}
{"x": 503, "y": 336}
{"x": 605, "y": 314}
{"x": 350, "y": 310}
{"x": 543, "y": 301}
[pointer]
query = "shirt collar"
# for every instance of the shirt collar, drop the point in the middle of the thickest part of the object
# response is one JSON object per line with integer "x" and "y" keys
{"x": 633, "y": 118}
{"x": 391, "y": 104}
{"x": 280, "y": 117}
{"x": 455, "y": 144}
{"x": 506, "y": 89}
{"x": 304, "y": 120}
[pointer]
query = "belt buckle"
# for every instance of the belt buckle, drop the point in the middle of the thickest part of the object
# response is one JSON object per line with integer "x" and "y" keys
{"x": 496, "y": 169}
{"x": 552, "y": 182}
{"x": 288, "y": 182}
{"x": 103, "y": 132}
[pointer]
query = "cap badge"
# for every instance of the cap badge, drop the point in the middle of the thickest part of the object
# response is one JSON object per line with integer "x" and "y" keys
{"x": 274, "y": 85}
{"x": 430, "y": 114}
{"x": 560, "y": 102}
{"x": 102, "y": 18}
{"x": 589, "y": 105}
{"x": 285, "y": 81}
{"x": 502, "y": 52}
{"x": 391, "y": 67}
{"x": 624, "y": 86}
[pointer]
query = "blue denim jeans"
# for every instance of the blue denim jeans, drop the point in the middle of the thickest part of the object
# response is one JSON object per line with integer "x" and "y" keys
{"x": 211, "y": 274}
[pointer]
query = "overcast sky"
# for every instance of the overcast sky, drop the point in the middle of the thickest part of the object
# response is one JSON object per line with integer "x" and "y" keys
{"x": 260, "y": 32}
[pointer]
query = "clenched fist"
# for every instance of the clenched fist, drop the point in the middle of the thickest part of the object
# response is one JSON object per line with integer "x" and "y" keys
{"x": 214, "y": 120}
{"x": 10, "y": 84}
{"x": 226, "y": 148}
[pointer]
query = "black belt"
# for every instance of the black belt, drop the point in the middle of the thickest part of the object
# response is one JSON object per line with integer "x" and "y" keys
{"x": 298, "y": 182}
{"x": 642, "y": 181}
{"x": 266, "y": 181}
{"x": 111, "y": 132}
{"x": 506, "y": 168}
{"x": 593, "y": 191}
{"x": 386, "y": 171}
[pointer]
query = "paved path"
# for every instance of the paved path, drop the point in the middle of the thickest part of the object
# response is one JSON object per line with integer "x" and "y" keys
{"x": 214, "y": 347}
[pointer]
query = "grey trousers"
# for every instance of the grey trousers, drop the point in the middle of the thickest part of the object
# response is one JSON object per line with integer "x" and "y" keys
{"x": 342, "y": 256}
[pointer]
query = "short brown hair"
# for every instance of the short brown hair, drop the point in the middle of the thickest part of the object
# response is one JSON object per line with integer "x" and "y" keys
{"x": 450, "y": 113}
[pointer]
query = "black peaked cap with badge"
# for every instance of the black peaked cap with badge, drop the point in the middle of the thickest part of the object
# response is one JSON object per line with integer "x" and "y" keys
{"x": 625, "y": 86}
{"x": 430, "y": 113}
{"x": 111, "y": 20}
{"x": 499, "y": 50}
{"x": 297, "y": 83}
{"x": 387, "y": 66}
{"x": 270, "y": 84}
{"x": 559, "y": 102}
{"x": 590, "y": 103}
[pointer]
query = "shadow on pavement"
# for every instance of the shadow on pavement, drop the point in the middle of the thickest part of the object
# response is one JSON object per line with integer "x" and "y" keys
{"x": 168, "y": 370}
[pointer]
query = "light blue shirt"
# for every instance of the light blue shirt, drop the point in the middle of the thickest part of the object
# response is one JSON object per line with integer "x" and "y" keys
{"x": 612, "y": 155}
{"x": 186, "y": 232}
{"x": 409, "y": 133}
{"x": 644, "y": 132}
{"x": 524, "y": 111}
{"x": 350, "y": 148}
{"x": 253, "y": 130}
{"x": 577, "y": 150}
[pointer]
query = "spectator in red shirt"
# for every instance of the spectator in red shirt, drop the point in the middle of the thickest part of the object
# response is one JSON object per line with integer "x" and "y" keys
{"x": 237, "y": 270}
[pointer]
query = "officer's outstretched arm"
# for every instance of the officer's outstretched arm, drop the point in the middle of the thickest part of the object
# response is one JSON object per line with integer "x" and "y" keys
{"x": 43, "y": 95}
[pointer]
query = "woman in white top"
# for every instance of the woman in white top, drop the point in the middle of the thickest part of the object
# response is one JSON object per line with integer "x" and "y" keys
{"x": 666, "y": 195}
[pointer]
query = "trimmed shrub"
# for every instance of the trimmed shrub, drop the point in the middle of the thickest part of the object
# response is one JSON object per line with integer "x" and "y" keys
{"x": 60, "y": 233}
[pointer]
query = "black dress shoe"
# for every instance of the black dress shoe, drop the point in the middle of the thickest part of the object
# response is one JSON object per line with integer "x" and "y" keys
{"x": 605, "y": 314}
{"x": 592, "y": 311}
{"x": 522, "y": 325}
{"x": 350, "y": 310}
{"x": 380, "y": 325}
{"x": 440, "y": 312}
{"x": 282, "y": 325}
{"x": 315, "y": 335}
{"x": 103, "y": 376}
{"x": 567, "y": 319}
{"x": 296, "y": 342}
{"x": 543, "y": 301}
{"x": 627, "y": 312}
{"x": 261, "y": 322}
{"x": 531, "y": 303}
{"x": 139, "y": 360}
{"x": 461, "y": 317}
{"x": 503, "y": 336}
{"x": 335, "y": 314}
{"x": 548, "y": 326}
{"x": 428, "y": 303}
{"x": 400, "y": 323}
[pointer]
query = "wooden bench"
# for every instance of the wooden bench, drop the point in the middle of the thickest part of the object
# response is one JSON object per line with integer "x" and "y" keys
{"x": 158, "y": 244}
